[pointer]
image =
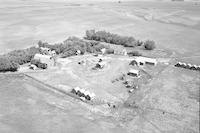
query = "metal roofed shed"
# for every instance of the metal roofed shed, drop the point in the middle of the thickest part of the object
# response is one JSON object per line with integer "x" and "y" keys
{"x": 47, "y": 59}
{"x": 100, "y": 64}
{"x": 133, "y": 72}
{"x": 146, "y": 60}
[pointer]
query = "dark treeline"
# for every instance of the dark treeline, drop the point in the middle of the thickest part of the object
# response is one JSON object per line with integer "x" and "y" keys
{"x": 125, "y": 41}
{"x": 12, "y": 60}
{"x": 108, "y": 37}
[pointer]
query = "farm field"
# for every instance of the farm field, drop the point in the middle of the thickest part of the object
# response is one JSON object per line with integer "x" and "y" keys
{"x": 173, "y": 25}
{"x": 165, "y": 98}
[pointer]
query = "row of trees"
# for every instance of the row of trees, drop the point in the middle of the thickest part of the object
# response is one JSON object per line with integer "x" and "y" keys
{"x": 108, "y": 37}
{"x": 12, "y": 60}
{"x": 70, "y": 46}
{"x": 7, "y": 65}
{"x": 126, "y": 41}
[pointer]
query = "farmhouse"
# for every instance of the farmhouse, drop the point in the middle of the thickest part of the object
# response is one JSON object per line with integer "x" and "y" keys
{"x": 134, "y": 73}
{"x": 145, "y": 60}
{"x": 47, "y": 59}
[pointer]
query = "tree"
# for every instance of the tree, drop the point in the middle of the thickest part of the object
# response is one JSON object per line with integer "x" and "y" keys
{"x": 149, "y": 45}
{"x": 7, "y": 65}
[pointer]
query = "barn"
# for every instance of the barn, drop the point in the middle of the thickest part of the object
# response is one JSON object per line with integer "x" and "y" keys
{"x": 47, "y": 59}
{"x": 146, "y": 60}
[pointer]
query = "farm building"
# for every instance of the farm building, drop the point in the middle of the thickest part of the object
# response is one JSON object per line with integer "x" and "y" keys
{"x": 187, "y": 66}
{"x": 133, "y": 72}
{"x": 100, "y": 65}
{"x": 83, "y": 94}
{"x": 145, "y": 60}
{"x": 47, "y": 59}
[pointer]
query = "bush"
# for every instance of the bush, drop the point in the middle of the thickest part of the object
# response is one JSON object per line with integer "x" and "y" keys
{"x": 7, "y": 65}
{"x": 108, "y": 37}
{"x": 134, "y": 53}
{"x": 38, "y": 64}
{"x": 149, "y": 45}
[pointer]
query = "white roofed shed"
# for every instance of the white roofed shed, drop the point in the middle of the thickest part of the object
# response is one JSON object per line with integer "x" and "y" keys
{"x": 146, "y": 60}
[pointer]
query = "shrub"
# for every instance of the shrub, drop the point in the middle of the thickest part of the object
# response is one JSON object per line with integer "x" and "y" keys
{"x": 134, "y": 53}
{"x": 133, "y": 44}
{"x": 139, "y": 43}
{"x": 7, "y": 65}
{"x": 149, "y": 45}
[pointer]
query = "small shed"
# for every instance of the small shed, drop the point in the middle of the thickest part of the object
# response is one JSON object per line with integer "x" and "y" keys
{"x": 100, "y": 65}
{"x": 133, "y": 72}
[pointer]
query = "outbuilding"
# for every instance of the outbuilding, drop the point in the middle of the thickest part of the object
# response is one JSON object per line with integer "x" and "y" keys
{"x": 100, "y": 65}
{"x": 146, "y": 60}
{"x": 47, "y": 59}
{"x": 133, "y": 72}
